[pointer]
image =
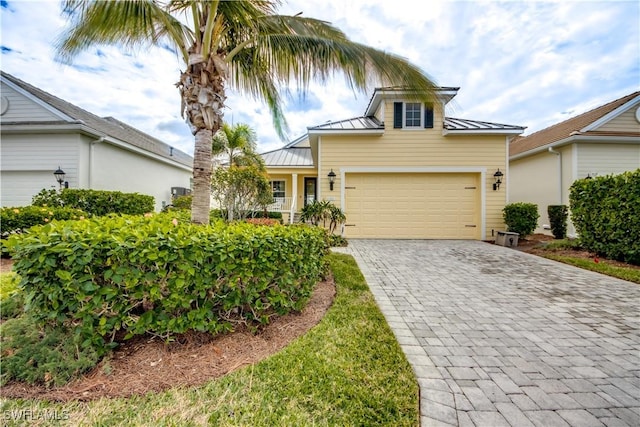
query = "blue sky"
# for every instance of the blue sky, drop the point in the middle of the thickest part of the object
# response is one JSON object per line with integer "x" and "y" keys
{"x": 524, "y": 63}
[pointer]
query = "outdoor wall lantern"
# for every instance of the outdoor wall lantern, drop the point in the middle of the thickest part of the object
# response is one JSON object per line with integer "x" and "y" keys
{"x": 332, "y": 179}
{"x": 59, "y": 174}
{"x": 498, "y": 177}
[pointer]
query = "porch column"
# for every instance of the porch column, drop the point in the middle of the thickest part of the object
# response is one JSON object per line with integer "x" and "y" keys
{"x": 294, "y": 196}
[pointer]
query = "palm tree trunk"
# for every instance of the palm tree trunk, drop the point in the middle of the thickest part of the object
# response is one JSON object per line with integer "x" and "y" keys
{"x": 202, "y": 91}
{"x": 201, "y": 203}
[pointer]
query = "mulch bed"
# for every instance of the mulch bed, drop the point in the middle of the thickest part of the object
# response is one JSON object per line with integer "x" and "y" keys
{"x": 145, "y": 364}
{"x": 534, "y": 244}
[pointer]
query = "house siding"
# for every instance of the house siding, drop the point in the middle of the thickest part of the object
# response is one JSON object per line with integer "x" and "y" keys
{"x": 543, "y": 192}
{"x": 417, "y": 148}
{"x": 117, "y": 169}
{"x": 27, "y": 163}
{"x": 22, "y": 109}
{"x": 625, "y": 122}
{"x": 607, "y": 159}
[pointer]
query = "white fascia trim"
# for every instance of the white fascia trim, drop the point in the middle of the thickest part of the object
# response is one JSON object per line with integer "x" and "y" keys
{"x": 412, "y": 169}
{"x": 482, "y": 132}
{"x": 612, "y": 115}
{"x": 379, "y": 95}
{"x": 579, "y": 138}
{"x": 47, "y": 128}
{"x": 38, "y": 101}
{"x": 423, "y": 169}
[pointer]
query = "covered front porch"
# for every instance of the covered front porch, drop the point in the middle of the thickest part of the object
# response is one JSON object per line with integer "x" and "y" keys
{"x": 292, "y": 190}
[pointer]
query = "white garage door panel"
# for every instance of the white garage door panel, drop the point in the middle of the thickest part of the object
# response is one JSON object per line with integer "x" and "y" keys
{"x": 17, "y": 188}
{"x": 412, "y": 205}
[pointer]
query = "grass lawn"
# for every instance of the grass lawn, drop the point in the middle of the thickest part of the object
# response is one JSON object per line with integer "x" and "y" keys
{"x": 569, "y": 252}
{"x": 602, "y": 266}
{"x": 347, "y": 371}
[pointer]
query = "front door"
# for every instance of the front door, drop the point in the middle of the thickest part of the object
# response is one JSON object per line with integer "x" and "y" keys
{"x": 309, "y": 190}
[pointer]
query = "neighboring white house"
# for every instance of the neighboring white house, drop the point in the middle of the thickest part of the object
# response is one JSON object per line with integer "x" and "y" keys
{"x": 40, "y": 132}
{"x": 603, "y": 141}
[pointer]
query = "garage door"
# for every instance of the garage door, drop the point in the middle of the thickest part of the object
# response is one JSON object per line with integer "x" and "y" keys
{"x": 412, "y": 205}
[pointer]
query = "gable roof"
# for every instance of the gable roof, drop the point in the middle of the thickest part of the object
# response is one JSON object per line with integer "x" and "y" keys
{"x": 578, "y": 125}
{"x": 445, "y": 94}
{"x": 99, "y": 126}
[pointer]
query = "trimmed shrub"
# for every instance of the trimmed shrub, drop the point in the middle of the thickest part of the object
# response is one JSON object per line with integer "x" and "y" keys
{"x": 96, "y": 202}
{"x": 335, "y": 240}
{"x": 131, "y": 275}
{"x": 222, "y": 214}
{"x": 182, "y": 202}
{"x": 262, "y": 221}
{"x": 521, "y": 218}
{"x": 605, "y": 212}
{"x": 20, "y": 218}
{"x": 558, "y": 215}
{"x": 11, "y": 301}
{"x": 43, "y": 355}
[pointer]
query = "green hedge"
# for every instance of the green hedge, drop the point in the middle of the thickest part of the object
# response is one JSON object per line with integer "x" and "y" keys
{"x": 521, "y": 218}
{"x": 96, "y": 202}
{"x": 605, "y": 212}
{"x": 558, "y": 215}
{"x": 221, "y": 214}
{"x": 131, "y": 275}
{"x": 20, "y": 218}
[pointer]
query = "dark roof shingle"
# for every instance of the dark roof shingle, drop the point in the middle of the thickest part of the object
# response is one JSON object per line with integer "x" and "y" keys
{"x": 565, "y": 129}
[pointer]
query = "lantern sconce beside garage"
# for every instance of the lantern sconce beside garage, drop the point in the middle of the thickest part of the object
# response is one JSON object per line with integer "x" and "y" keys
{"x": 332, "y": 179}
{"x": 498, "y": 179}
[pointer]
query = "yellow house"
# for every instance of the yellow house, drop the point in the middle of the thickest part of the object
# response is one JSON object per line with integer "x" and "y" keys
{"x": 402, "y": 170}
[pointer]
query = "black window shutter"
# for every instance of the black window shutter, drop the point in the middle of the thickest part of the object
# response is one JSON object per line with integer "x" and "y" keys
{"x": 428, "y": 115}
{"x": 397, "y": 115}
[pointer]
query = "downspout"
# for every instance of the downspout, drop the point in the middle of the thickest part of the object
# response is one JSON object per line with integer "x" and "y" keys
{"x": 91, "y": 156}
{"x": 559, "y": 154}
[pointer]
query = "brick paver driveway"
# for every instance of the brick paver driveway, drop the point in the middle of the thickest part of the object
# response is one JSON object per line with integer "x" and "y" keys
{"x": 497, "y": 337}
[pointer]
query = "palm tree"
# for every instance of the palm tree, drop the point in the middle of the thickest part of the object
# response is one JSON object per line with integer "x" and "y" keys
{"x": 240, "y": 44}
{"x": 238, "y": 144}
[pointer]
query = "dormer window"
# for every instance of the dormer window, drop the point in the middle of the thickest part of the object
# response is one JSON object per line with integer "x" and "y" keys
{"x": 412, "y": 115}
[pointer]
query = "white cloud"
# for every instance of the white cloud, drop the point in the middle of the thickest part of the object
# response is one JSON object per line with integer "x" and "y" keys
{"x": 521, "y": 63}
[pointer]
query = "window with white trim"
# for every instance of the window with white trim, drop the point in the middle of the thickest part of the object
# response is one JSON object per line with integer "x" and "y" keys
{"x": 278, "y": 188}
{"x": 412, "y": 115}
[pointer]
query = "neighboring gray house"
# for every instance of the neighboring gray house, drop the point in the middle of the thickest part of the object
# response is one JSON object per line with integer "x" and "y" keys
{"x": 40, "y": 132}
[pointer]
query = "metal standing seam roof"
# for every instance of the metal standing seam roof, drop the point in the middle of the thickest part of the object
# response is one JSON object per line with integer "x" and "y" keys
{"x": 353, "y": 124}
{"x": 105, "y": 126}
{"x": 300, "y": 157}
{"x": 451, "y": 123}
{"x": 567, "y": 128}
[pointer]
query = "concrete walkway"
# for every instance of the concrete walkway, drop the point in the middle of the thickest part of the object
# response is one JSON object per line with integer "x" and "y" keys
{"x": 497, "y": 337}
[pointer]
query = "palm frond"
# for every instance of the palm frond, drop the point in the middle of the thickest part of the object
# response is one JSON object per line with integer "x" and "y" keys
{"x": 249, "y": 73}
{"x": 131, "y": 23}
